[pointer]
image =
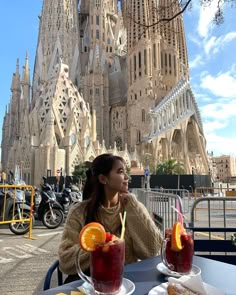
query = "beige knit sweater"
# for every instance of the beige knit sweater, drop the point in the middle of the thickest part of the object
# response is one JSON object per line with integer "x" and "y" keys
{"x": 142, "y": 238}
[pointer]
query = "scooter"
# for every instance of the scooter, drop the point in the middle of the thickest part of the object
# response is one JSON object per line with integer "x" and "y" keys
{"x": 36, "y": 201}
{"x": 50, "y": 211}
{"x": 67, "y": 198}
{"x": 14, "y": 207}
{"x": 63, "y": 199}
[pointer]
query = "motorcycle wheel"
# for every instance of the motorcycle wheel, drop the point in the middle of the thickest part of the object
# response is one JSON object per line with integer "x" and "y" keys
{"x": 20, "y": 228}
{"x": 53, "y": 221}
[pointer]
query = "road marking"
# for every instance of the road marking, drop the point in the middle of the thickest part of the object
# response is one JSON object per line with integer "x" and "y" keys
{"x": 16, "y": 252}
{"x": 4, "y": 260}
{"x": 50, "y": 234}
{"x": 21, "y": 252}
{"x": 32, "y": 249}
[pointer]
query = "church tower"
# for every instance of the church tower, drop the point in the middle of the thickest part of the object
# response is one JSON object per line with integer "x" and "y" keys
{"x": 25, "y": 100}
{"x": 174, "y": 57}
{"x": 156, "y": 55}
{"x": 58, "y": 38}
{"x": 104, "y": 75}
{"x": 100, "y": 44}
{"x": 14, "y": 130}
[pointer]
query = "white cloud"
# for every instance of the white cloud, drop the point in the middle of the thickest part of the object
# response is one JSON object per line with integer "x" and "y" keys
{"x": 194, "y": 39}
{"x": 219, "y": 111}
{"x": 211, "y": 126}
{"x": 210, "y": 43}
{"x": 217, "y": 119}
{"x": 224, "y": 84}
{"x": 206, "y": 18}
{"x": 215, "y": 92}
{"x": 196, "y": 61}
{"x": 220, "y": 145}
{"x": 214, "y": 45}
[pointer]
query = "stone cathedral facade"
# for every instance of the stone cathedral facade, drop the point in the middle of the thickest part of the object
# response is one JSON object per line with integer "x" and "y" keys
{"x": 103, "y": 82}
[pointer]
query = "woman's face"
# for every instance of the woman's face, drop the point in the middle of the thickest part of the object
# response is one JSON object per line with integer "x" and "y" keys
{"x": 117, "y": 180}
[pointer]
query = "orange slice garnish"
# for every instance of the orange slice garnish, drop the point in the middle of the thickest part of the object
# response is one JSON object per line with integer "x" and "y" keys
{"x": 91, "y": 235}
{"x": 176, "y": 244}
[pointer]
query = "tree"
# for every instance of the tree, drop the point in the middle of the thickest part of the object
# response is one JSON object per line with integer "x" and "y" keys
{"x": 170, "y": 167}
{"x": 79, "y": 174}
{"x": 178, "y": 8}
{"x": 148, "y": 162}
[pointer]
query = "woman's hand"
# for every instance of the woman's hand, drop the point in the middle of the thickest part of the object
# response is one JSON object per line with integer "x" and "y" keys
{"x": 123, "y": 197}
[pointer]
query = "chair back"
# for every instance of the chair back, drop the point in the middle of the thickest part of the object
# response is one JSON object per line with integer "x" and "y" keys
{"x": 48, "y": 278}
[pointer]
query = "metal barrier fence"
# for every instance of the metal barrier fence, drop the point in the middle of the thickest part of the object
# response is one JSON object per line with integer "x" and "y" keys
{"x": 161, "y": 206}
{"x": 185, "y": 195}
{"x": 213, "y": 222}
{"x": 215, "y": 213}
{"x": 214, "y": 192}
{"x": 14, "y": 209}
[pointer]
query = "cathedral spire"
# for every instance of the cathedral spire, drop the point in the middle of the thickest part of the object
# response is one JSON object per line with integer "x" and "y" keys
{"x": 25, "y": 82}
{"x": 26, "y": 72}
{"x": 15, "y": 86}
{"x": 58, "y": 36}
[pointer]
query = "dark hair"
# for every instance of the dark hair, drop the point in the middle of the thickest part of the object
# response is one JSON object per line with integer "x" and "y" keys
{"x": 93, "y": 189}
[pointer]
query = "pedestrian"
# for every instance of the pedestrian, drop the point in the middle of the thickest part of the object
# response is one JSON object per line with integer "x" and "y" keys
{"x": 105, "y": 196}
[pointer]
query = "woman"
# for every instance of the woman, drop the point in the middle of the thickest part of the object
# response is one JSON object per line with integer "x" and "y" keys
{"x": 105, "y": 196}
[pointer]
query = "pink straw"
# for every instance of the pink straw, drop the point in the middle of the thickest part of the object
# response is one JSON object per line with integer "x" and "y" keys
{"x": 180, "y": 215}
{"x": 121, "y": 220}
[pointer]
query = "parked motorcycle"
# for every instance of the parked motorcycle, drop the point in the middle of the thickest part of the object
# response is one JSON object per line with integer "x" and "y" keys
{"x": 13, "y": 207}
{"x": 36, "y": 200}
{"x": 64, "y": 200}
{"x": 67, "y": 198}
{"x": 50, "y": 211}
{"x": 76, "y": 196}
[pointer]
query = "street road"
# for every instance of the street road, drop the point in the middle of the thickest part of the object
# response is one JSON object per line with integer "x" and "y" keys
{"x": 24, "y": 262}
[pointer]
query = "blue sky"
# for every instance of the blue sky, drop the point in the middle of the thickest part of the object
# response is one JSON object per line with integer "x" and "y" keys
{"x": 212, "y": 61}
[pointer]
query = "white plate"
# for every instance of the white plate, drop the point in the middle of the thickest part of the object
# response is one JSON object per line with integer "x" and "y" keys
{"x": 127, "y": 288}
{"x": 163, "y": 269}
{"x": 162, "y": 290}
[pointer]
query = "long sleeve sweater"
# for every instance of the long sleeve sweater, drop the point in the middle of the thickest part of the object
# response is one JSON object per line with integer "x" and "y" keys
{"x": 142, "y": 238}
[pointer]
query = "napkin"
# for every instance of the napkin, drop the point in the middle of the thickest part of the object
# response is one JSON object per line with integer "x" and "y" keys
{"x": 194, "y": 283}
{"x": 86, "y": 289}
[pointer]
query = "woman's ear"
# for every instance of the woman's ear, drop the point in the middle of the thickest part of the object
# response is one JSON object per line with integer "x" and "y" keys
{"x": 102, "y": 179}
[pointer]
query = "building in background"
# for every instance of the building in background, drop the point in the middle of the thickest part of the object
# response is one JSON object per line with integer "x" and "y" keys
{"x": 102, "y": 82}
{"x": 225, "y": 168}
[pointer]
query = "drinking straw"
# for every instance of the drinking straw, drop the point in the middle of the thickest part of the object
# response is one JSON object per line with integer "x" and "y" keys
{"x": 180, "y": 215}
{"x": 121, "y": 219}
{"x": 123, "y": 226}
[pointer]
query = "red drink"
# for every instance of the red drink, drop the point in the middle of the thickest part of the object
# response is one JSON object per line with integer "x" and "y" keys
{"x": 106, "y": 264}
{"x": 180, "y": 261}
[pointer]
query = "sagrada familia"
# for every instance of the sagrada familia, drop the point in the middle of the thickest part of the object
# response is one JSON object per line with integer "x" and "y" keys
{"x": 109, "y": 76}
